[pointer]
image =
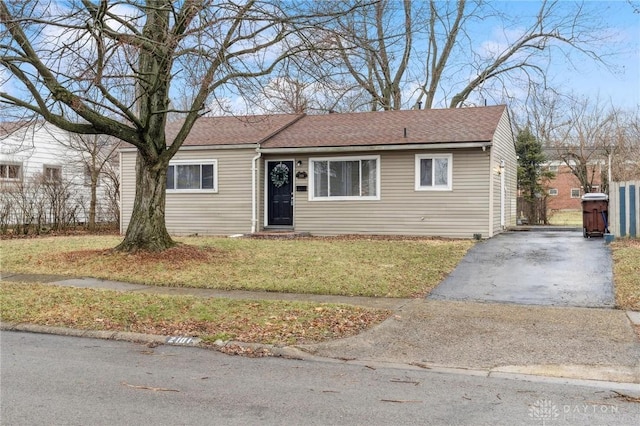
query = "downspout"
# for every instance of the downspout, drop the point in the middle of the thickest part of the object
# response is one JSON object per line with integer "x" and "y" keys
{"x": 254, "y": 190}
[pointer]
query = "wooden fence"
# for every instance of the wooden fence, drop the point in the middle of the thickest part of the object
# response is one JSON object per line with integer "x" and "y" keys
{"x": 532, "y": 212}
{"x": 624, "y": 208}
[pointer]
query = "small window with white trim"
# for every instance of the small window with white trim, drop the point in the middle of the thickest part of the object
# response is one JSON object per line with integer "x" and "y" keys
{"x": 553, "y": 168}
{"x": 575, "y": 192}
{"x": 52, "y": 174}
{"x": 192, "y": 176}
{"x": 345, "y": 178}
{"x": 10, "y": 171}
{"x": 553, "y": 191}
{"x": 434, "y": 172}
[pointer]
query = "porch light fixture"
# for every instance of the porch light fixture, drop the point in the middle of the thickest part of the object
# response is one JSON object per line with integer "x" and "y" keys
{"x": 299, "y": 163}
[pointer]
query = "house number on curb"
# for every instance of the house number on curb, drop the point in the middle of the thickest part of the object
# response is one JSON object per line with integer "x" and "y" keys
{"x": 181, "y": 340}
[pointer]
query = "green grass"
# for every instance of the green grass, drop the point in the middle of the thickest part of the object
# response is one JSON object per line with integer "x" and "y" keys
{"x": 274, "y": 322}
{"x": 347, "y": 266}
{"x": 566, "y": 218}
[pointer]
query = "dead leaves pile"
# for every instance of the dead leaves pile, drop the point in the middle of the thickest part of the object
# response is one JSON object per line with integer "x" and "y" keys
{"x": 175, "y": 258}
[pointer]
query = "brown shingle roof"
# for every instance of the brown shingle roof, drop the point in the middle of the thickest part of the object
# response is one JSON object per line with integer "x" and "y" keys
{"x": 387, "y": 128}
{"x": 232, "y": 130}
{"x": 348, "y": 129}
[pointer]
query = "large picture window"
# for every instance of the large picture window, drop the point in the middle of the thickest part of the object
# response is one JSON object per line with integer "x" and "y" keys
{"x": 345, "y": 178}
{"x": 192, "y": 176}
{"x": 433, "y": 172}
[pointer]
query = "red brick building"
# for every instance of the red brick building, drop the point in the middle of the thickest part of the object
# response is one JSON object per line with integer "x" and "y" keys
{"x": 564, "y": 192}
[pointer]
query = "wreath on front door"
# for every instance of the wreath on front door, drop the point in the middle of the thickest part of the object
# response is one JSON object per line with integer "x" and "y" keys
{"x": 279, "y": 175}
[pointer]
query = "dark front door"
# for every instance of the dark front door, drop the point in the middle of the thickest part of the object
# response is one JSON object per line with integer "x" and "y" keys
{"x": 280, "y": 193}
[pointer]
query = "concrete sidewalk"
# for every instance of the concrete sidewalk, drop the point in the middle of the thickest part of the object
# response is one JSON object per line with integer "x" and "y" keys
{"x": 484, "y": 338}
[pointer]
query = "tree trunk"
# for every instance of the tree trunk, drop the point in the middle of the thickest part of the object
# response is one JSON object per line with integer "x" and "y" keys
{"x": 147, "y": 230}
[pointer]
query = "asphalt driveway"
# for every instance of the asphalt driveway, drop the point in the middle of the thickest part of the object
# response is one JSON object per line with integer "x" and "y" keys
{"x": 534, "y": 268}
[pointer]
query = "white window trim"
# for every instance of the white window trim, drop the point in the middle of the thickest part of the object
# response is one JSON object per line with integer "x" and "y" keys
{"x": 448, "y": 187}
{"x": 553, "y": 191}
{"x": 575, "y": 189}
{"x": 51, "y": 166}
{"x": 20, "y": 171}
{"x": 214, "y": 190}
{"x": 312, "y": 177}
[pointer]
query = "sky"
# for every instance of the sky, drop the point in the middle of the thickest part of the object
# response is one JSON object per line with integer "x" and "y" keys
{"x": 619, "y": 82}
{"x": 614, "y": 82}
{"x": 623, "y": 85}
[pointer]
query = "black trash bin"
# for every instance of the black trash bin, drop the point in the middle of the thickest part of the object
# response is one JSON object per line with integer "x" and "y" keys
{"x": 595, "y": 215}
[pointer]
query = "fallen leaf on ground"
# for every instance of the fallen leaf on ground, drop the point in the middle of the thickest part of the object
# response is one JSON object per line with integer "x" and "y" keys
{"x": 150, "y": 388}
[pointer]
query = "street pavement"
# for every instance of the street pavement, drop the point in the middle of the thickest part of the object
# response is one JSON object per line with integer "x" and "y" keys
{"x": 59, "y": 380}
{"x": 523, "y": 338}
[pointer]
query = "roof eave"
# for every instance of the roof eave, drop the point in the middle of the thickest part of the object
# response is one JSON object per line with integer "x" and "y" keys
{"x": 394, "y": 147}
{"x": 203, "y": 147}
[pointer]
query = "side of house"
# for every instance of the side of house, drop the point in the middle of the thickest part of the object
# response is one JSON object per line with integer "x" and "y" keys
{"x": 504, "y": 176}
{"x": 42, "y": 181}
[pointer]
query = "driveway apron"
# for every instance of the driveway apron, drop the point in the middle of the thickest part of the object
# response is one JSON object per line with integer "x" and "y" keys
{"x": 535, "y": 268}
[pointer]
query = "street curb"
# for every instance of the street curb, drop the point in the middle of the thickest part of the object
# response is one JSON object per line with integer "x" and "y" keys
{"x": 634, "y": 317}
{"x": 73, "y": 332}
{"x": 574, "y": 375}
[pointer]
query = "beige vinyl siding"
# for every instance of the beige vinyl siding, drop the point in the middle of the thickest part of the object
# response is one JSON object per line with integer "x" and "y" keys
{"x": 228, "y": 211}
{"x": 127, "y": 187}
{"x": 504, "y": 149}
{"x": 459, "y": 213}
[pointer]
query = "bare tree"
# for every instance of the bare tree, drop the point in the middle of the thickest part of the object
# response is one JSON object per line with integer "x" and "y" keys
{"x": 587, "y": 134}
{"x": 381, "y": 46}
{"x": 73, "y": 64}
{"x": 581, "y": 132}
{"x": 368, "y": 47}
{"x": 624, "y": 154}
{"x": 95, "y": 153}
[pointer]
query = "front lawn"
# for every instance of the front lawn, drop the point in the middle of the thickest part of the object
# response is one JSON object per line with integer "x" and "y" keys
{"x": 274, "y": 322}
{"x": 626, "y": 273}
{"x": 335, "y": 266}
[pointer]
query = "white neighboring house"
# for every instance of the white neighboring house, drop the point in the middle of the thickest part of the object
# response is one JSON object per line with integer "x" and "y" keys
{"x": 42, "y": 181}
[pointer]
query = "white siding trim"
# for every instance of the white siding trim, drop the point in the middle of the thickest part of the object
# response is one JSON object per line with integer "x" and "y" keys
{"x": 491, "y": 195}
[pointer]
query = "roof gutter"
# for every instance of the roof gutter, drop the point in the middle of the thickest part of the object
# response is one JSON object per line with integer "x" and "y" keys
{"x": 360, "y": 148}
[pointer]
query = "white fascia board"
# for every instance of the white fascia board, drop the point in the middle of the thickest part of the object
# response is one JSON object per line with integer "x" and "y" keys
{"x": 354, "y": 148}
{"x": 203, "y": 147}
